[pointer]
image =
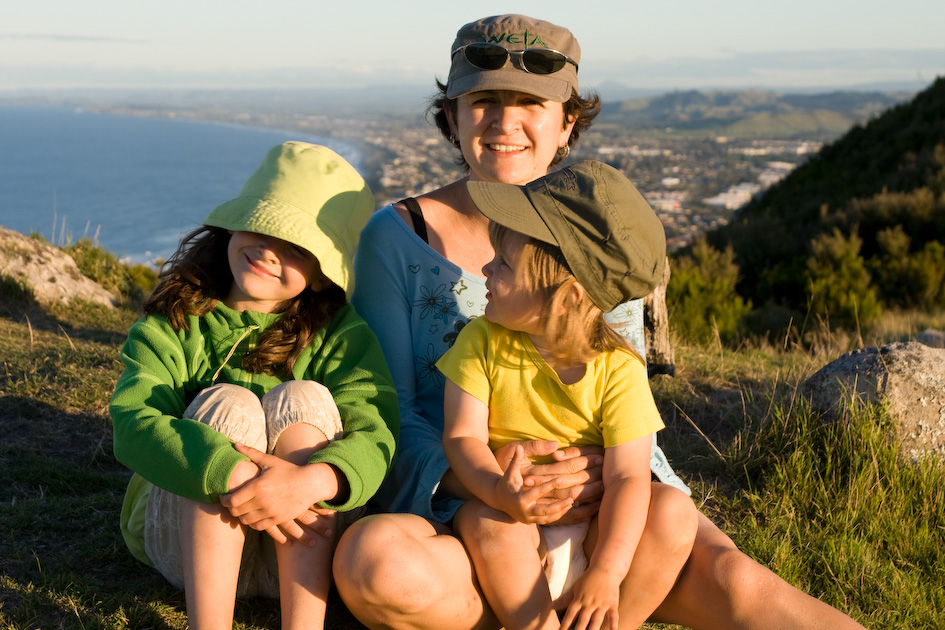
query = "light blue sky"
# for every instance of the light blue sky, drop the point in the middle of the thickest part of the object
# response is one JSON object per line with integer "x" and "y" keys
{"x": 662, "y": 44}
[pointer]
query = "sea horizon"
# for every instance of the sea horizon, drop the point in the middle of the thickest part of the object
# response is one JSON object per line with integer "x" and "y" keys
{"x": 134, "y": 184}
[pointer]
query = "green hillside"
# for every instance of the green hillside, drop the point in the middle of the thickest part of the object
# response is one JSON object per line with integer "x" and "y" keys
{"x": 748, "y": 114}
{"x": 870, "y": 207}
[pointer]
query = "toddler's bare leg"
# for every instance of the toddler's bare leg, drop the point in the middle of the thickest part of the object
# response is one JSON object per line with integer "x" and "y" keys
{"x": 505, "y": 555}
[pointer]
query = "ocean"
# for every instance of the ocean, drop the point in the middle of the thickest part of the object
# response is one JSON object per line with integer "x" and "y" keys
{"x": 134, "y": 184}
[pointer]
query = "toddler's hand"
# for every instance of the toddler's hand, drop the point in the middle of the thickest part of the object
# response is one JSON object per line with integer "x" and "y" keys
{"x": 594, "y": 600}
{"x": 528, "y": 505}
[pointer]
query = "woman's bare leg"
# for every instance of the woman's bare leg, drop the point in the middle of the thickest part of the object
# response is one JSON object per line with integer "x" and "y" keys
{"x": 663, "y": 551}
{"x": 722, "y": 588}
{"x": 402, "y": 572}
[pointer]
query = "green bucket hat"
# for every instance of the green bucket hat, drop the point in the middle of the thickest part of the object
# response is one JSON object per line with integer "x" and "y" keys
{"x": 609, "y": 235}
{"x": 309, "y": 196}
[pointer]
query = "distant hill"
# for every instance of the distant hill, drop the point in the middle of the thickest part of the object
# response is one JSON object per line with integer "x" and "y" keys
{"x": 748, "y": 114}
{"x": 885, "y": 173}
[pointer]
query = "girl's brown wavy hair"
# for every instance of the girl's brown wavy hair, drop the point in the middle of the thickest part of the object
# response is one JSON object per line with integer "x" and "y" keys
{"x": 198, "y": 275}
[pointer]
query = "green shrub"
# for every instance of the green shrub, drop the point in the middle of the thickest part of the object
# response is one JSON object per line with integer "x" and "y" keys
{"x": 701, "y": 296}
{"x": 131, "y": 282}
{"x": 908, "y": 279}
{"x": 839, "y": 283}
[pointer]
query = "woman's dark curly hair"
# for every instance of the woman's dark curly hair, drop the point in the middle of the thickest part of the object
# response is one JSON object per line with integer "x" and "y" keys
{"x": 582, "y": 110}
{"x": 198, "y": 275}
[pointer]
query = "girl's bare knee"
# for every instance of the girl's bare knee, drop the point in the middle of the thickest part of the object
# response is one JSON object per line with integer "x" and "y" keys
{"x": 298, "y": 442}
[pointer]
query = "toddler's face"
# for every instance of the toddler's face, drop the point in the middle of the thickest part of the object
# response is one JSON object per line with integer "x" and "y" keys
{"x": 513, "y": 302}
{"x": 267, "y": 271}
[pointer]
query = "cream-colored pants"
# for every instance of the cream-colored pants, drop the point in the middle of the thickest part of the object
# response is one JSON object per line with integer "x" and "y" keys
{"x": 243, "y": 417}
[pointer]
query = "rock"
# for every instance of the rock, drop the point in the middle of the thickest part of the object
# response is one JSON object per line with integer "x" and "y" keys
{"x": 932, "y": 338}
{"x": 49, "y": 272}
{"x": 909, "y": 376}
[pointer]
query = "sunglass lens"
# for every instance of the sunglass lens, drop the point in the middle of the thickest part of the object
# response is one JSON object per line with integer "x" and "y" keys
{"x": 542, "y": 61}
{"x": 486, "y": 56}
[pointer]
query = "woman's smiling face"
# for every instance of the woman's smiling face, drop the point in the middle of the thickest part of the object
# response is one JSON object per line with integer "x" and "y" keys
{"x": 509, "y": 137}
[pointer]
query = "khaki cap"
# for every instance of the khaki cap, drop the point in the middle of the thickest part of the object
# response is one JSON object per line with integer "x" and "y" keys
{"x": 514, "y": 32}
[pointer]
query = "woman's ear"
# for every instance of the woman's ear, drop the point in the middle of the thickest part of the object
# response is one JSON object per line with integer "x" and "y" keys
{"x": 565, "y": 138}
{"x": 448, "y": 112}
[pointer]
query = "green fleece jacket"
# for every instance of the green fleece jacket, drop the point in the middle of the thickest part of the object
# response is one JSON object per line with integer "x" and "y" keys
{"x": 165, "y": 369}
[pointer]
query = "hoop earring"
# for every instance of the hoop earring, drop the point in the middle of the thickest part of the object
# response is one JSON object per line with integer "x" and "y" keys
{"x": 564, "y": 151}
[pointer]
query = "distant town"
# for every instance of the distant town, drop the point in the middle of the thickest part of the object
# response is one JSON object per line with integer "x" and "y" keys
{"x": 693, "y": 184}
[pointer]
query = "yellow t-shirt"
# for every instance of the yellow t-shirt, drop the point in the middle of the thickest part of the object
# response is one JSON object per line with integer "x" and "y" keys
{"x": 612, "y": 404}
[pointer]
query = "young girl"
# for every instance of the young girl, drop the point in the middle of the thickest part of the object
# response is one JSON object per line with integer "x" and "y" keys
{"x": 255, "y": 402}
{"x": 543, "y": 364}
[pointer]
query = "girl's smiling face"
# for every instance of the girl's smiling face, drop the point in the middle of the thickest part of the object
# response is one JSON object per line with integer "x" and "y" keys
{"x": 509, "y": 137}
{"x": 267, "y": 271}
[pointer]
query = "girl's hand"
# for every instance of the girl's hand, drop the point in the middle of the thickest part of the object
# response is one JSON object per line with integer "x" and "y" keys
{"x": 279, "y": 500}
{"x": 578, "y": 469}
{"x": 314, "y": 523}
{"x": 594, "y": 599}
{"x": 528, "y": 505}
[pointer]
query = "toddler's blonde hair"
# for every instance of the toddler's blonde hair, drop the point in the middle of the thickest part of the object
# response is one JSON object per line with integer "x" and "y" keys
{"x": 575, "y": 331}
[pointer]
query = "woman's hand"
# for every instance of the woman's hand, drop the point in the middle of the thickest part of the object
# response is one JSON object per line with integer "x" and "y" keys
{"x": 579, "y": 471}
{"x": 280, "y": 500}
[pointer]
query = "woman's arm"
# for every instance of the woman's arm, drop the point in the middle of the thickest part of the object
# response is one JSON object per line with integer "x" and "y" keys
{"x": 382, "y": 298}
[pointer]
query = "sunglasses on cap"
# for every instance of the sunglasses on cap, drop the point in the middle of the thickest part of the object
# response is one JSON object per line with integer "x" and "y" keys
{"x": 487, "y": 56}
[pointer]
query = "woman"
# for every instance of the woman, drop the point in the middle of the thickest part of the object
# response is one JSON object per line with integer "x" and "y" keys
{"x": 511, "y": 105}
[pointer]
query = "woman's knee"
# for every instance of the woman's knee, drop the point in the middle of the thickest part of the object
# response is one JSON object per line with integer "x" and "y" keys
{"x": 380, "y": 568}
{"x": 737, "y": 578}
{"x": 672, "y": 511}
{"x": 747, "y": 581}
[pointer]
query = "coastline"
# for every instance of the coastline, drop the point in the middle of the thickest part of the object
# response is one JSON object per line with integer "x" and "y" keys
{"x": 317, "y": 130}
{"x": 136, "y": 188}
